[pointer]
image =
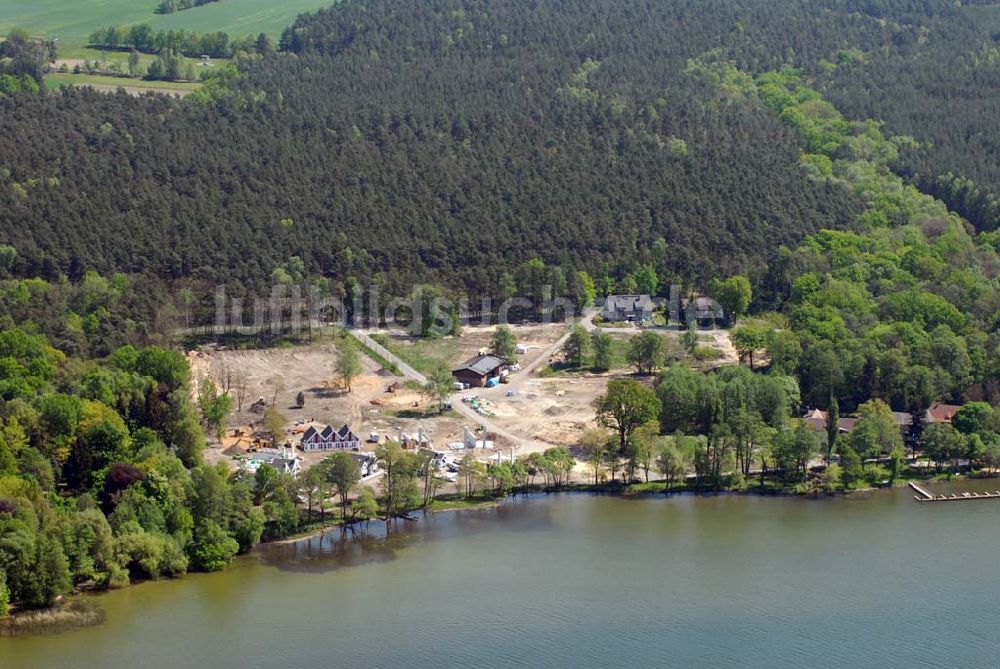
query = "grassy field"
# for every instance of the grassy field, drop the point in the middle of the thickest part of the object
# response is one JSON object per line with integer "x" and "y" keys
{"x": 72, "y": 22}
{"x": 619, "y": 359}
{"x": 424, "y": 355}
{"x": 59, "y": 80}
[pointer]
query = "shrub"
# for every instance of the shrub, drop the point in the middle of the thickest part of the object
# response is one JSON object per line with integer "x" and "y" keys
{"x": 706, "y": 353}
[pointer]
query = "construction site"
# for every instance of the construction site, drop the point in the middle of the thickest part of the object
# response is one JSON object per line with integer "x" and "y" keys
{"x": 532, "y": 410}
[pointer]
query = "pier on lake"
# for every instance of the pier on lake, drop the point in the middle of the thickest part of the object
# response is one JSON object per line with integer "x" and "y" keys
{"x": 924, "y": 495}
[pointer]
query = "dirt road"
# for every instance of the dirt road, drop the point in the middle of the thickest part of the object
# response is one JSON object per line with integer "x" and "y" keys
{"x": 523, "y": 444}
{"x": 404, "y": 368}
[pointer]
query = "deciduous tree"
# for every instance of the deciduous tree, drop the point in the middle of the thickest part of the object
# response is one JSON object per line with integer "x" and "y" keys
{"x": 343, "y": 472}
{"x": 439, "y": 387}
{"x": 578, "y": 347}
{"x": 602, "y": 351}
{"x": 274, "y": 423}
{"x": 504, "y": 344}
{"x": 876, "y": 432}
{"x": 626, "y": 405}
{"x": 748, "y": 339}
{"x": 595, "y": 443}
{"x": 348, "y": 362}
{"x": 733, "y": 295}
{"x": 670, "y": 461}
{"x": 942, "y": 443}
{"x": 647, "y": 351}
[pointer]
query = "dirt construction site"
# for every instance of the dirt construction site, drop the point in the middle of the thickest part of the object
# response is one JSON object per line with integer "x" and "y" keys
{"x": 554, "y": 411}
{"x": 275, "y": 377}
{"x": 531, "y": 412}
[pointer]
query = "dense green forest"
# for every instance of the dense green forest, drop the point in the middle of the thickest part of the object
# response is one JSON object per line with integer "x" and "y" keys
{"x": 569, "y": 147}
{"x": 940, "y": 84}
{"x": 451, "y": 141}
{"x": 895, "y": 315}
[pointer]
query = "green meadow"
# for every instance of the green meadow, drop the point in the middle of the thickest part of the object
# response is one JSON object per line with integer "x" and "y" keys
{"x": 71, "y": 23}
{"x": 58, "y": 80}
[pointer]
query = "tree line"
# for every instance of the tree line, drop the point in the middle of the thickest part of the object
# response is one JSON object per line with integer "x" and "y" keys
{"x": 736, "y": 430}
{"x": 143, "y": 38}
{"x": 171, "y": 6}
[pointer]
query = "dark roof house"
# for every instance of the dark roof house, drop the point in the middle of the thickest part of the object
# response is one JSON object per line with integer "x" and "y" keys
{"x": 287, "y": 465}
{"x": 329, "y": 439}
{"x": 312, "y": 434}
{"x": 704, "y": 310}
{"x": 367, "y": 462}
{"x": 621, "y": 308}
{"x": 478, "y": 370}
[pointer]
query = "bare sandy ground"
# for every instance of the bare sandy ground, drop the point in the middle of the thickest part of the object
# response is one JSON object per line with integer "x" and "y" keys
{"x": 555, "y": 410}
{"x": 283, "y": 373}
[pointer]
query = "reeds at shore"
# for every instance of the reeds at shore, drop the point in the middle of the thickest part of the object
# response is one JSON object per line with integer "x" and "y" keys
{"x": 71, "y": 615}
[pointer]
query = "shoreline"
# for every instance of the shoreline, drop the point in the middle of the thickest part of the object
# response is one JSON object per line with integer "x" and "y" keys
{"x": 81, "y": 610}
{"x": 615, "y": 490}
{"x": 465, "y": 505}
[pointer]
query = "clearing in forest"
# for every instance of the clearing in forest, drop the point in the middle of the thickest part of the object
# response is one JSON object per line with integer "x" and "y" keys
{"x": 71, "y": 23}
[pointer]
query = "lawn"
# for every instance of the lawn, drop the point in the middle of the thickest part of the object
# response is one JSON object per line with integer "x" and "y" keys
{"x": 619, "y": 359}
{"x": 619, "y": 352}
{"x": 72, "y": 22}
{"x": 424, "y": 355}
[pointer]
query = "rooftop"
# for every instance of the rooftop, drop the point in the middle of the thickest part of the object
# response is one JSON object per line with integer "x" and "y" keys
{"x": 628, "y": 302}
{"x": 940, "y": 412}
{"x": 480, "y": 364}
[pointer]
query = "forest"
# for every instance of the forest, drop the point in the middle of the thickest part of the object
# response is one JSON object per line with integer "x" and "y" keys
{"x": 102, "y": 479}
{"x": 940, "y": 85}
{"x": 312, "y": 154}
{"x": 385, "y": 139}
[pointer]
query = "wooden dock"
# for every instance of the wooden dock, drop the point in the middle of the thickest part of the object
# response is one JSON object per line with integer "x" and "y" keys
{"x": 925, "y": 495}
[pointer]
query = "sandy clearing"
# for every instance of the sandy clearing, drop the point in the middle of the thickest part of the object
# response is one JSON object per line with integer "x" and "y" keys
{"x": 367, "y": 408}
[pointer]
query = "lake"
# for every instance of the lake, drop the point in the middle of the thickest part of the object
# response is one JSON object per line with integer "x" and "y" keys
{"x": 874, "y": 579}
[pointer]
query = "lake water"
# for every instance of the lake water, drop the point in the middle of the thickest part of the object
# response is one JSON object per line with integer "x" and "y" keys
{"x": 583, "y": 581}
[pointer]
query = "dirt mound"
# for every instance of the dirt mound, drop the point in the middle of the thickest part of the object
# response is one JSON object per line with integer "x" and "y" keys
{"x": 561, "y": 433}
{"x": 403, "y": 398}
